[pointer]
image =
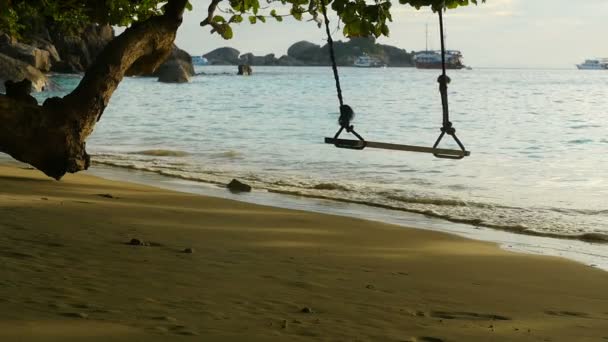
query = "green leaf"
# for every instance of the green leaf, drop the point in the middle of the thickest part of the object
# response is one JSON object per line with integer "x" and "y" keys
{"x": 237, "y": 18}
{"x": 226, "y": 31}
{"x": 252, "y": 19}
{"x": 218, "y": 19}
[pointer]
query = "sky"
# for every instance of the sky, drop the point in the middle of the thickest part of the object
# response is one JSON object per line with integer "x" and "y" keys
{"x": 499, "y": 33}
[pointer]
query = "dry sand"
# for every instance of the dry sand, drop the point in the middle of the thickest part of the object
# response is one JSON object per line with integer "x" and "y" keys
{"x": 68, "y": 274}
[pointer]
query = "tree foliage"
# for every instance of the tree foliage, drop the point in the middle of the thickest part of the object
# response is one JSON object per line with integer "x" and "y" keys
{"x": 358, "y": 17}
{"x": 72, "y": 15}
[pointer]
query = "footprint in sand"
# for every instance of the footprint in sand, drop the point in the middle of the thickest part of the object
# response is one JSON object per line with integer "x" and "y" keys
{"x": 567, "y": 314}
{"x": 471, "y": 316}
{"x": 182, "y": 330}
{"x": 429, "y": 339}
{"x": 107, "y": 196}
{"x": 16, "y": 255}
{"x": 75, "y": 314}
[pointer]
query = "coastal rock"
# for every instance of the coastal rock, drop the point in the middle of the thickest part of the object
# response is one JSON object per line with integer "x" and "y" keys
{"x": 237, "y": 186}
{"x": 251, "y": 59}
{"x": 304, "y": 51}
{"x": 245, "y": 69}
{"x": 47, "y": 46}
{"x": 172, "y": 72}
{"x": 223, "y": 56}
{"x": 178, "y": 67}
{"x": 289, "y": 61}
{"x": 39, "y": 59}
{"x": 270, "y": 59}
{"x": 77, "y": 52}
{"x": 16, "y": 71}
{"x": 246, "y": 58}
{"x": 180, "y": 57}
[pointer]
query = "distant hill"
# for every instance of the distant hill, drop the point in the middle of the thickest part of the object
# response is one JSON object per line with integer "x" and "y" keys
{"x": 305, "y": 53}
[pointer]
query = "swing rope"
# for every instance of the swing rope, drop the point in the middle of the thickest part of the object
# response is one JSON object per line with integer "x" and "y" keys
{"x": 347, "y": 114}
{"x": 332, "y": 54}
{"x": 444, "y": 80}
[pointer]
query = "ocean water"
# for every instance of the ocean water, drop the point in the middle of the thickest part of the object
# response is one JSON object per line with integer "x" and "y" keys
{"x": 538, "y": 140}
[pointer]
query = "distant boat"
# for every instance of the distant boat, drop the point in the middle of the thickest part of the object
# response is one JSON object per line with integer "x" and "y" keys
{"x": 432, "y": 60}
{"x": 199, "y": 60}
{"x": 366, "y": 61}
{"x": 594, "y": 64}
{"x": 429, "y": 59}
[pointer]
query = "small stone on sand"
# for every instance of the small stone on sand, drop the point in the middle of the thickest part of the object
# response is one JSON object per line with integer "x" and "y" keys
{"x": 189, "y": 250}
{"x": 284, "y": 324}
{"x": 138, "y": 242}
{"x": 306, "y": 309}
{"x": 237, "y": 186}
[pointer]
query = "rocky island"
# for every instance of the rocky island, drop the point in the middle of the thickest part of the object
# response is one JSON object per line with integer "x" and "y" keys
{"x": 45, "y": 49}
{"x": 305, "y": 53}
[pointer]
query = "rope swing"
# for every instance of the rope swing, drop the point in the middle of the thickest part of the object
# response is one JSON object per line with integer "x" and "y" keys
{"x": 347, "y": 114}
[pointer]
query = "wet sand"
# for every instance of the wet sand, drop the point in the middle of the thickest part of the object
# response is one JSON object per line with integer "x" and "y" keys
{"x": 260, "y": 273}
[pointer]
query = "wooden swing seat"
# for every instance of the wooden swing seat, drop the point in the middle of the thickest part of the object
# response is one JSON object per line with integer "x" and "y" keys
{"x": 359, "y": 145}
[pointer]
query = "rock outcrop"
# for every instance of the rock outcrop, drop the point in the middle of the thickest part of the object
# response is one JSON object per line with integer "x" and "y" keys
{"x": 305, "y": 53}
{"x": 172, "y": 72}
{"x": 77, "y": 52}
{"x": 38, "y": 58}
{"x": 15, "y": 70}
{"x": 236, "y": 186}
{"x": 178, "y": 67}
{"x": 251, "y": 59}
{"x": 289, "y": 61}
{"x": 223, "y": 56}
{"x": 245, "y": 70}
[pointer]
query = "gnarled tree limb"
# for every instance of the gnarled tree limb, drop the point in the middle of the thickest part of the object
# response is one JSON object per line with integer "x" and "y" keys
{"x": 52, "y": 137}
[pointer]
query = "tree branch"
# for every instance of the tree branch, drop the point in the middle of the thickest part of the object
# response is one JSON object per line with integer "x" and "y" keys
{"x": 210, "y": 13}
{"x": 52, "y": 137}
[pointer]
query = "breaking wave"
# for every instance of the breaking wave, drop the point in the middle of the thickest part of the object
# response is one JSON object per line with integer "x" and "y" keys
{"x": 161, "y": 153}
{"x": 546, "y": 222}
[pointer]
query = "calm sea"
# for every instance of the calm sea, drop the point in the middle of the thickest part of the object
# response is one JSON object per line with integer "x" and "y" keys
{"x": 539, "y": 140}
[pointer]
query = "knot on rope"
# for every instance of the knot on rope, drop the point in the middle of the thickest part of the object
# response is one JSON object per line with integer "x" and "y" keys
{"x": 448, "y": 129}
{"x": 444, "y": 80}
{"x": 346, "y": 116}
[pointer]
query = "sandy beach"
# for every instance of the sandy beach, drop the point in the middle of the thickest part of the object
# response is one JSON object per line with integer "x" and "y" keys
{"x": 263, "y": 274}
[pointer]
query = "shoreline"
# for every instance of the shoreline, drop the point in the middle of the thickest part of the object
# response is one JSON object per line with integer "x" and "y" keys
{"x": 474, "y": 223}
{"x": 263, "y": 273}
{"x": 588, "y": 253}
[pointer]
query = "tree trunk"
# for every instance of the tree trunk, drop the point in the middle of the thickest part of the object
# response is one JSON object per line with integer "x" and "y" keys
{"x": 51, "y": 137}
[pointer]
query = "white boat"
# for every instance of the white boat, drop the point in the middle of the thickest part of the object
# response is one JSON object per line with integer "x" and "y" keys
{"x": 199, "y": 60}
{"x": 432, "y": 60}
{"x": 366, "y": 61}
{"x": 594, "y": 64}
